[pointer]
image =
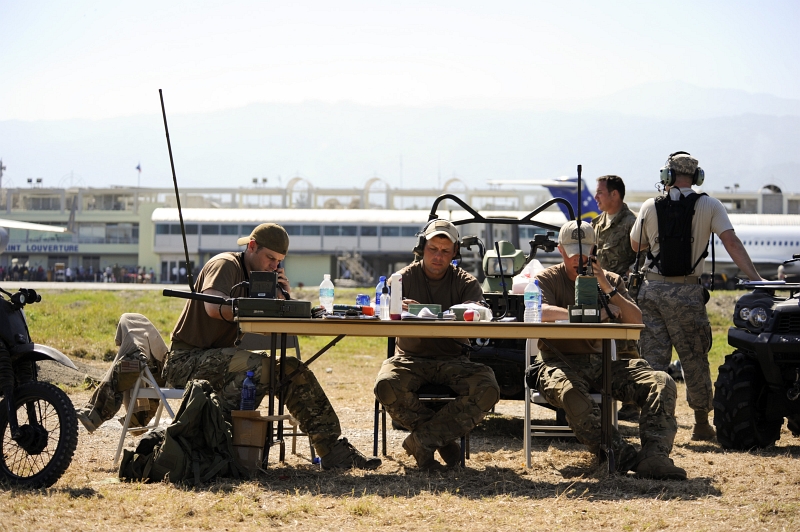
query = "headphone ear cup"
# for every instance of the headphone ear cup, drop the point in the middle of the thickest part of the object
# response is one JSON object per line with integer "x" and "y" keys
{"x": 667, "y": 176}
{"x": 699, "y": 177}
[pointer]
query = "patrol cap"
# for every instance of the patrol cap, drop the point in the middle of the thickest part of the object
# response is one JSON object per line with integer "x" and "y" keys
{"x": 268, "y": 235}
{"x": 682, "y": 163}
{"x": 443, "y": 228}
{"x": 568, "y": 238}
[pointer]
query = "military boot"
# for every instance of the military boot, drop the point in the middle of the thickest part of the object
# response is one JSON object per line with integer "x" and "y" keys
{"x": 626, "y": 458}
{"x": 421, "y": 454}
{"x": 344, "y": 456}
{"x": 451, "y": 454}
{"x": 702, "y": 431}
{"x": 659, "y": 467}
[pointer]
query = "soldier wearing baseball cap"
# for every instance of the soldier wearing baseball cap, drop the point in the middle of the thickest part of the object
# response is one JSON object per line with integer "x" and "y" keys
{"x": 565, "y": 373}
{"x": 204, "y": 347}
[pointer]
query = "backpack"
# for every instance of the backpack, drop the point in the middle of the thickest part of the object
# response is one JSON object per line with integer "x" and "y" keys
{"x": 675, "y": 240}
{"x": 196, "y": 447}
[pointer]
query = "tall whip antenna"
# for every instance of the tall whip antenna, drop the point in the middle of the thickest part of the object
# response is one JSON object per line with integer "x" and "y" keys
{"x": 178, "y": 196}
{"x": 578, "y": 220}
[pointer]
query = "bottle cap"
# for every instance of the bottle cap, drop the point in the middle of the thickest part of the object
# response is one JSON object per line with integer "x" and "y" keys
{"x": 250, "y": 373}
{"x": 382, "y": 279}
{"x": 326, "y": 276}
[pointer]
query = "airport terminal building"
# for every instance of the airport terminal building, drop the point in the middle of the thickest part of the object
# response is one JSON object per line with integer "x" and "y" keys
{"x": 354, "y": 234}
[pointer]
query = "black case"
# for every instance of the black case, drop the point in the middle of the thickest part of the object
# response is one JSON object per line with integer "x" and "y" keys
{"x": 257, "y": 307}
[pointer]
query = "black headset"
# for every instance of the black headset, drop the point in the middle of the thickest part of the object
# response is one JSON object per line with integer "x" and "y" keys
{"x": 667, "y": 174}
{"x": 421, "y": 240}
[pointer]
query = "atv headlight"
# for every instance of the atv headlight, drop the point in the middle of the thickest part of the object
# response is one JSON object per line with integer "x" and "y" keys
{"x": 757, "y": 317}
{"x": 744, "y": 313}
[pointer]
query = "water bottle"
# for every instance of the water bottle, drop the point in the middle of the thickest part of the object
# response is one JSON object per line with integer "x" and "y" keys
{"x": 326, "y": 293}
{"x": 248, "y": 401}
{"x": 396, "y": 303}
{"x": 533, "y": 302}
{"x": 385, "y": 300}
{"x": 379, "y": 291}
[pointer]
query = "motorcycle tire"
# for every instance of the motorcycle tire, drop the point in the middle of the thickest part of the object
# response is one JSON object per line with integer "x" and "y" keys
{"x": 740, "y": 403}
{"x": 48, "y": 417}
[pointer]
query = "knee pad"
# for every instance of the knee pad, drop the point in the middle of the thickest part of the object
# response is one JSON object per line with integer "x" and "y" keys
{"x": 488, "y": 398}
{"x": 576, "y": 404}
{"x": 385, "y": 393}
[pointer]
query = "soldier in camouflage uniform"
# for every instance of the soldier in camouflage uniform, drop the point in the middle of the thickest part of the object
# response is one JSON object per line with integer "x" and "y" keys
{"x": 565, "y": 379}
{"x": 139, "y": 344}
{"x": 612, "y": 229}
{"x": 203, "y": 348}
{"x": 442, "y": 361}
{"x": 673, "y": 308}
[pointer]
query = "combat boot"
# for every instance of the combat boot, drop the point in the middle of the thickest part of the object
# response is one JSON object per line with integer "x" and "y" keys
{"x": 626, "y": 458}
{"x": 344, "y": 456}
{"x": 702, "y": 431}
{"x": 451, "y": 454}
{"x": 659, "y": 467}
{"x": 421, "y": 454}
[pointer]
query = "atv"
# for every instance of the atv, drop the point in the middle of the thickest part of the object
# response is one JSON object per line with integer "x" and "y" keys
{"x": 759, "y": 383}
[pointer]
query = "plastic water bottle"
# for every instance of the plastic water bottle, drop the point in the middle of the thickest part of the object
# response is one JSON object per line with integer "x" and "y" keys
{"x": 248, "y": 401}
{"x": 533, "y": 302}
{"x": 379, "y": 291}
{"x": 326, "y": 293}
{"x": 396, "y": 303}
{"x": 385, "y": 300}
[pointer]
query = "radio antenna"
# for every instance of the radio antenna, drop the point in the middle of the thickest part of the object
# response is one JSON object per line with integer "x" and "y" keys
{"x": 189, "y": 278}
{"x": 582, "y": 267}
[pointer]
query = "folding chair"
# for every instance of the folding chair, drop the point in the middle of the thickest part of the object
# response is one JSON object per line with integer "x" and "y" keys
{"x": 560, "y": 429}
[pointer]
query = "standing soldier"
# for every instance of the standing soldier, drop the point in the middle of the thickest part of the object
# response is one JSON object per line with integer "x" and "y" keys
{"x": 675, "y": 229}
{"x": 612, "y": 230}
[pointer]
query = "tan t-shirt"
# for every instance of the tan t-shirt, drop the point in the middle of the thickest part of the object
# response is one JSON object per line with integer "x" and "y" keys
{"x": 709, "y": 216}
{"x": 558, "y": 290}
{"x": 456, "y": 287}
{"x": 195, "y": 327}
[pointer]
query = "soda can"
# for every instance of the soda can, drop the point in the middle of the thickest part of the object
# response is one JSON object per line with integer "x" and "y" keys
{"x": 362, "y": 300}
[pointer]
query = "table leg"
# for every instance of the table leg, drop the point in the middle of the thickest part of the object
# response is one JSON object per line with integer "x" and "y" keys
{"x": 606, "y": 409}
{"x": 282, "y": 398}
{"x": 271, "y": 399}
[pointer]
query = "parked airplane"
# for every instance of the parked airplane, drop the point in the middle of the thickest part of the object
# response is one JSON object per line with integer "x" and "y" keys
{"x": 770, "y": 239}
{"x": 5, "y": 225}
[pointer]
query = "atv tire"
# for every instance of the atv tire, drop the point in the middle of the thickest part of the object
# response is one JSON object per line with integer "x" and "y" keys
{"x": 740, "y": 402}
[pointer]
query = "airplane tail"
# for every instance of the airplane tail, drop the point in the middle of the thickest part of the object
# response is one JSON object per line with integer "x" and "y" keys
{"x": 567, "y": 188}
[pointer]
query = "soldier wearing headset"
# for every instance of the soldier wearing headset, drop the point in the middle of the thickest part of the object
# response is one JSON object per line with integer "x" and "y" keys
{"x": 419, "y": 361}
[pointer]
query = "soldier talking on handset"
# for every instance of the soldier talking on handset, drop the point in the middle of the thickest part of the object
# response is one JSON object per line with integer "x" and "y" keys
{"x": 675, "y": 230}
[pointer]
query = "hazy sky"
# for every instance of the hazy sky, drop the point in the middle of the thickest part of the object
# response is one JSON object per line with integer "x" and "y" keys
{"x": 84, "y": 59}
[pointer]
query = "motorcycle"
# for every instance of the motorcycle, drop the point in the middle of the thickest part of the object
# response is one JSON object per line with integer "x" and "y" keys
{"x": 38, "y": 425}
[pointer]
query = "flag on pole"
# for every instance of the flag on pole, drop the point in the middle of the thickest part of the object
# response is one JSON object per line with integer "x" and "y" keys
{"x": 139, "y": 167}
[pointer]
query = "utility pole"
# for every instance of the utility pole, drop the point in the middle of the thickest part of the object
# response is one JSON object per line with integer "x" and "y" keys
{"x": 1, "y": 172}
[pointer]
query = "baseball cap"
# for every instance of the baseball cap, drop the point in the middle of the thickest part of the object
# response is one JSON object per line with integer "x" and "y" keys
{"x": 568, "y": 238}
{"x": 441, "y": 227}
{"x": 268, "y": 235}
{"x": 683, "y": 164}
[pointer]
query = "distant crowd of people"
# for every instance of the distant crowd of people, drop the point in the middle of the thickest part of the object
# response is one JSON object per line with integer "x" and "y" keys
{"x": 110, "y": 274}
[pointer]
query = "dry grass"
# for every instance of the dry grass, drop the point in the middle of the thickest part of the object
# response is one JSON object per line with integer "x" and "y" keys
{"x": 564, "y": 490}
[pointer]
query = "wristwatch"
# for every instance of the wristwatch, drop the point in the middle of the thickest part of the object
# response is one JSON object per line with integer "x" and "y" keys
{"x": 612, "y": 293}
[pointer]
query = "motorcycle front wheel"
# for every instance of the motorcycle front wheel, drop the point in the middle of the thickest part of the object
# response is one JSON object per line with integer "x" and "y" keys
{"x": 49, "y": 436}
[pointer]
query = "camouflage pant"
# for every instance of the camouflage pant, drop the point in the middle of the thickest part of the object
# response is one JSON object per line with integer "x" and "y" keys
{"x": 632, "y": 381}
{"x": 107, "y": 398}
{"x": 401, "y": 376}
{"x": 675, "y": 315}
{"x": 226, "y": 369}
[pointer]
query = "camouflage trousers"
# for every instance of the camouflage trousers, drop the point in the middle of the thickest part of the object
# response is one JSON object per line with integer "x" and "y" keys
{"x": 107, "y": 398}
{"x": 675, "y": 315}
{"x": 632, "y": 381}
{"x": 226, "y": 369}
{"x": 401, "y": 376}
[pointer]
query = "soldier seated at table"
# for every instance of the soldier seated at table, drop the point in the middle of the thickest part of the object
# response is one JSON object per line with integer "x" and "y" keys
{"x": 443, "y": 361}
{"x": 565, "y": 377}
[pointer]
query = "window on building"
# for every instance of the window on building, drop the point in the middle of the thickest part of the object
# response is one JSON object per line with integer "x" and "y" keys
{"x": 311, "y": 230}
{"x": 247, "y": 229}
{"x": 408, "y": 231}
{"x": 390, "y": 230}
{"x": 227, "y": 229}
{"x": 210, "y": 229}
{"x": 349, "y": 230}
{"x": 92, "y": 233}
{"x": 332, "y": 230}
{"x": 369, "y": 230}
{"x": 292, "y": 230}
{"x": 162, "y": 229}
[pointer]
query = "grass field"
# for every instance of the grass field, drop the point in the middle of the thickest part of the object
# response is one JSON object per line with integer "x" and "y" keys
{"x": 564, "y": 490}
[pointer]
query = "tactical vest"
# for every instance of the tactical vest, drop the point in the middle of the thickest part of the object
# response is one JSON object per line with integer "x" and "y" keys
{"x": 675, "y": 236}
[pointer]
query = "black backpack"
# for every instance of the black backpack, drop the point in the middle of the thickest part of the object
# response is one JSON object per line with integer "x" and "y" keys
{"x": 675, "y": 235}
